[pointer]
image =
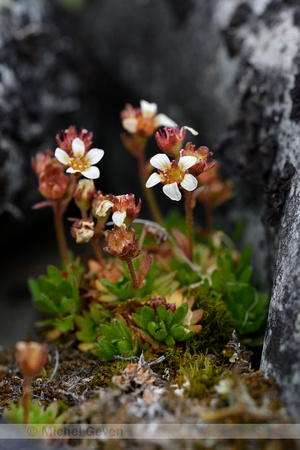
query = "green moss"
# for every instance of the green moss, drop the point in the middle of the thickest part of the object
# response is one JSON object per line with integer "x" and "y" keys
{"x": 217, "y": 327}
{"x": 199, "y": 374}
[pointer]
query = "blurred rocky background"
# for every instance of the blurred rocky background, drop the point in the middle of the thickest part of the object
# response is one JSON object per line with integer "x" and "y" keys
{"x": 228, "y": 68}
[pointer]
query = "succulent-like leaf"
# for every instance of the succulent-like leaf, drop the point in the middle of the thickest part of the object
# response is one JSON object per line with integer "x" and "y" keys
{"x": 125, "y": 346}
{"x": 178, "y": 332}
{"x": 170, "y": 341}
{"x": 180, "y": 313}
{"x": 148, "y": 315}
{"x": 138, "y": 320}
{"x": 159, "y": 332}
{"x": 162, "y": 313}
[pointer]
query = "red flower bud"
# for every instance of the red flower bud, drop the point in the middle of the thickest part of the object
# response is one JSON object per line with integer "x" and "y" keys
{"x": 70, "y": 134}
{"x": 122, "y": 242}
{"x": 31, "y": 357}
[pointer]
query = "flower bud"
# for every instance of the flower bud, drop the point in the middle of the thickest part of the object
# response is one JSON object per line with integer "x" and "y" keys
{"x": 82, "y": 231}
{"x": 41, "y": 161}
{"x": 84, "y": 194}
{"x": 53, "y": 182}
{"x": 122, "y": 242}
{"x": 202, "y": 165}
{"x": 170, "y": 141}
{"x": 70, "y": 134}
{"x": 31, "y": 357}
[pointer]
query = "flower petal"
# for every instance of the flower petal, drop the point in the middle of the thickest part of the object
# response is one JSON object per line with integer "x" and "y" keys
{"x": 78, "y": 147}
{"x": 62, "y": 156}
{"x": 189, "y": 183}
{"x": 148, "y": 109}
{"x": 160, "y": 161}
{"x": 130, "y": 124}
{"x": 154, "y": 179}
{"x": 161, "y": 120}
{"x": 71, "y": 170}
{"x": 191, "y": 130}
{"x": 185, "y": 162}
{"x": 94, "y": 155}
{"x": 91, "y": 172}
{"x": 172, "y": 191}
{"x": 104, "y": 207}
{"x": 118, "y": 218}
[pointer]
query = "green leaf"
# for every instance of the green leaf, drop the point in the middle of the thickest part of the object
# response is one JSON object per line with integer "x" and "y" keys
{"x": 68, "y": 305}
{"x": 105, "y": 350}
{"x": 170, "y": 341}
{"x": 112, "y": 287}
{"x": 124, "y": 346}
{"x": 34, "y": 288}
{"x": 148, "y": 315}
{"x": 54, "y": 274}
{"x": 122, "y": 327}
{"x": 169, "y": 321}
{"x": 216, "y": 280}
{"x": 245, "y": 258}
{"x": 180, "y": 313}
{"x": 178, "y": 332}
{"x": 109, "y": 332}
{"x": 44, "y": 304}
{"x": 159, "y": 332}
{"x": 246, "y": 275}
{"x": 138, "y": 320}
{"x": 65, "y": 324}
{"x": 162, "y": 313}
{"x": 206, "y": 284}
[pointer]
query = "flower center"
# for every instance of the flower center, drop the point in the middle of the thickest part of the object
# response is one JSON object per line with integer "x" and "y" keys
{"x": 173, "y": 174}
{"x": 79, "y": 163}
{"x": 146, "y": 125}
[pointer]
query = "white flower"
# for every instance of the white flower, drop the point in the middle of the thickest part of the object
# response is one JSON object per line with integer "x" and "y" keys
{"x": 80, "y": 161}
{"x": 172, "y": 174}
{"x": 118, "y": 217}
{"x": 148, "y": 112}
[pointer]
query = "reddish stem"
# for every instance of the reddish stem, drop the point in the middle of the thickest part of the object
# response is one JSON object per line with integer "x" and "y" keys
{"x": 155, "y": 211}
{"x": 97, "y": 249}
{"x": 26, "y": 401}
{"x": 59, "y": 209}
{"x": 189, "y": 223}
{"x": 130, "y": 266}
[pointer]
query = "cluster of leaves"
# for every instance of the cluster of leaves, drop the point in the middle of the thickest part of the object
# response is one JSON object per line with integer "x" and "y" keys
{"x": 38, "y": 414}
{"x": 155, "y": 281}
{"x": 228, "y": 288}
{"x": 57, "y": 294}
{"x": 117, "y": 339}
{"x": 152, "y": 330}
{"x": 164, "y": 325}
{"x": 231, "y": 282}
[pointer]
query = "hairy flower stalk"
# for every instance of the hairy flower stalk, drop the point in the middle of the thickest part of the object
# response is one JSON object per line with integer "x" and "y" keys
{"x": 189, "y": 223}
{"x": 59, "y": 210}
{"x": 140, "y": 124}
{"x": 31, "y": 358}
{"x": 152, "y": 203}
{"x": 123, "y": 243}
{"x": 57, "y": 188}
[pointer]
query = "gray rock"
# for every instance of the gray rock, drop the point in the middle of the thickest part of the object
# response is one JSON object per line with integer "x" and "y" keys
{"x": 38, "y": 87}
